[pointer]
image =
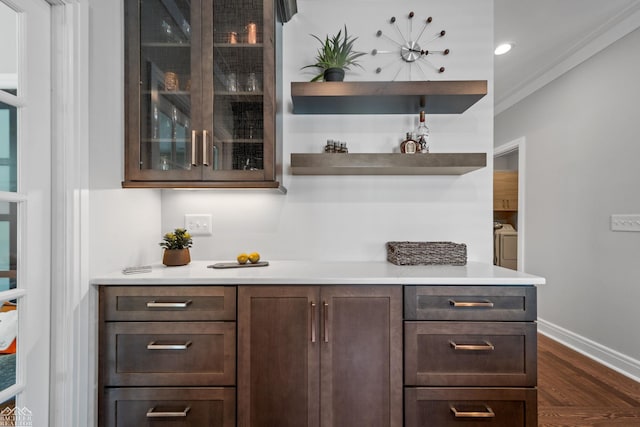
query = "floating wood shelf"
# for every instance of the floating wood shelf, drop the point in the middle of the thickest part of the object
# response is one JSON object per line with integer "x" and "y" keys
{"x": 434, "y": 97}
{"x": 386, "y": 164}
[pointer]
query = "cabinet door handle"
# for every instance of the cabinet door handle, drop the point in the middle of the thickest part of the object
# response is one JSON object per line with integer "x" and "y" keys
{"x": 325, "y": 315}
{"x": 205, "y": 148}
{"x": 194, "y": 154}
{"x": 312, "y": 309}
{"x": 473, "y": 414}
{"x": 472, "y": 304}
{"x": 153, "y": 346}
{"x": 487, "y": 346}
{"x": 181, "y": 304}
{"x": 151, "y": 413}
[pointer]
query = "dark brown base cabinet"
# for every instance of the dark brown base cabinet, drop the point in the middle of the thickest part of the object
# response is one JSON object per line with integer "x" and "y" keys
{"x": 460, "y": 407}
{"x": 317, "y": 356}
{"x": 325, "y": 356}
{"x": 470, "y": 356}
{"x": 185, "y": 407}
{"x": 167, "y": 356}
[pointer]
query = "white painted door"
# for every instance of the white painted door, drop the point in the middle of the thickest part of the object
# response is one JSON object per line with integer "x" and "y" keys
{"x": 25, "y": 200}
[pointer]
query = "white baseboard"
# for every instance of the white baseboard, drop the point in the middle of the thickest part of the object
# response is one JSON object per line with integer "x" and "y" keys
{"x": 619, "y": 362}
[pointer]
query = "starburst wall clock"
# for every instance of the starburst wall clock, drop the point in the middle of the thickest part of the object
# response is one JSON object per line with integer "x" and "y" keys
{"x": 409, "y": 53}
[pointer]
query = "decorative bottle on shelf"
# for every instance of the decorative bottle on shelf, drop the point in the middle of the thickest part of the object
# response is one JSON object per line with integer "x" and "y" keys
{"x": 409, "y": 145}
{"x": 422, "y": 135}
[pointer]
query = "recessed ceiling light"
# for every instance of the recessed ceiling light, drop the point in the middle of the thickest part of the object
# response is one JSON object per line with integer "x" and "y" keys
{"x": 503, "y": 48}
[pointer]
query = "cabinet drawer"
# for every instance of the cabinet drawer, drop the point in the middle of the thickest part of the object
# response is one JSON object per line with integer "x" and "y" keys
{"x": 488, "y": 303}
{"x": 187, "y": 407}
{"x": 490, "y": 354}
{"x": 168, "y": 303}
{"x": 441, "y": 407}
{"x": 162, "y": 353}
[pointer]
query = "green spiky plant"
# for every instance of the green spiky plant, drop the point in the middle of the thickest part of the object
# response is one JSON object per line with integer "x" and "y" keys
{"x": 335, "y": 52}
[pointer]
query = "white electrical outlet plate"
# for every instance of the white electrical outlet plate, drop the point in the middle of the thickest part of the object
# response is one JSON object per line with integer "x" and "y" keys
{"x": 198, "y": 224}
{"x": 625, "y": 222}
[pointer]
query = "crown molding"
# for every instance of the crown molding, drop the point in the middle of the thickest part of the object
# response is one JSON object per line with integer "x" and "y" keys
{"x": 624, "y": 23}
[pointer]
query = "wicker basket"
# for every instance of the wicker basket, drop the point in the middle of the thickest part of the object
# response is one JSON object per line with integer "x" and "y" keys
{"x": 427, "y": 253}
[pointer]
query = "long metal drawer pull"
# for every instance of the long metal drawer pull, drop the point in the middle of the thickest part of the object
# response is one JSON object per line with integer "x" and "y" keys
{"x": 472, "y": 414}
{"x": 312, "y": 308}
{"x": 325, "y": 310}
{"x": 179, "y": 304}
{"x": 152, "y": 414}
{"x": 487, "y": 346}
{"x": 482, "y": 304}
{"x": 153, "y": 346}
{"x": 205, "y": 148}
{"x": 194, "y": 154}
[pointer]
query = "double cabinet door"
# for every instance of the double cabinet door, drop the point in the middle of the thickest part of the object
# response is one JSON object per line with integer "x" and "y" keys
{"x": 199, "y": 90}
{"x": 325, "y": 356}
{"x": 505, "y": 190}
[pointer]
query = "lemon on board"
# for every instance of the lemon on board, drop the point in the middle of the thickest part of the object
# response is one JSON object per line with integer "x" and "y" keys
{"x": 243, "y": 258}
{"x": 254, "y": 257}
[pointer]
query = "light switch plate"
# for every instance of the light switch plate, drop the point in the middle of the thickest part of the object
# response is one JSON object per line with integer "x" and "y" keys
{"x": 625, "y": 222}
{"x": 198, "y": 224}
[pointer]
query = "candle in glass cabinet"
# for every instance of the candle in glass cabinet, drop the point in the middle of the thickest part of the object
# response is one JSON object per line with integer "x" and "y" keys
{"x": 171, "y": 81}
{"x": 252, "y": 33}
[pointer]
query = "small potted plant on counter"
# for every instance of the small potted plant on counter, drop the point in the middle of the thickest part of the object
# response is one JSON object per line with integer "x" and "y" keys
{"x": 176, "y": 248}
{"x": 335, "y": 55}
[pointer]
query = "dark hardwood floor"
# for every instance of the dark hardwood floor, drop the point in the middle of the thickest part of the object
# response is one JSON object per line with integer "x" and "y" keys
{"x": 575, "y": 391}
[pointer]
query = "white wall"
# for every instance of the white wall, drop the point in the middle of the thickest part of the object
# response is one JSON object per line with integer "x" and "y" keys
{"x": 8, "y": 47}
{"x": 347, "y": 217}
{"x": 582, "y": 166}
{"x": 124, "y": 224}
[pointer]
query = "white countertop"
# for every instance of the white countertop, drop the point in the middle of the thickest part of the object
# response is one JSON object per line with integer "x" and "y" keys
{"x": 324, "y": 273}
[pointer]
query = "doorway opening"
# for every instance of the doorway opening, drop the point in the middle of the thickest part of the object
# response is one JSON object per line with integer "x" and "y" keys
{"x": 509, "y": 207}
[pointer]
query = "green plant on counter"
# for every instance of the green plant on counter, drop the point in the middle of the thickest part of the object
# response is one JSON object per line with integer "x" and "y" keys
{"x": 335, "y": 52}
{"x": 179, "y": 239}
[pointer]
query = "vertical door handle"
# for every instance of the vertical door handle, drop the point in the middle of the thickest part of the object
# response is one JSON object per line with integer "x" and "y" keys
{"x": 194, "y": 154}
{"x": 325, "y": 319}
{"x": 205, "y": 148}
{"x": 312, "y": 309}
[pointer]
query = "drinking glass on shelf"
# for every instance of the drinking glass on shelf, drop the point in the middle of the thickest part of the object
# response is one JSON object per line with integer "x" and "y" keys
{"x": 232, "y": 82}
{"x": 164, "y": 163}
{"x": 252, "y": 83}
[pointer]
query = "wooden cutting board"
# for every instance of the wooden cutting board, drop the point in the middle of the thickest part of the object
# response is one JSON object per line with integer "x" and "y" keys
{"x": 234, "y": 264}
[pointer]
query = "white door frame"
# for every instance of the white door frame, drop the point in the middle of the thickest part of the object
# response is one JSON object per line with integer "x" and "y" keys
{"x": 518, "y": 145}
{"x": 73, "y": 395}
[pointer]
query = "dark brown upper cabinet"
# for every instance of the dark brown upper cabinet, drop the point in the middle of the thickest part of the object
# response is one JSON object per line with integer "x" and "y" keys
{"x": 200, "y": 90}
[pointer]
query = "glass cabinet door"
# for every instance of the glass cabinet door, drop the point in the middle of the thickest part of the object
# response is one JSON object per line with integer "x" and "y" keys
{"x": 200, "y": 93}
{"x": 240, "y": 77}
{"x": 166, "y": 148}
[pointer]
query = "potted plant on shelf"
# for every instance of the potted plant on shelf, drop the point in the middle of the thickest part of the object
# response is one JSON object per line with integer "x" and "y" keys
{"x": 176, "y": 248}
{"x": 335, "y": 55}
